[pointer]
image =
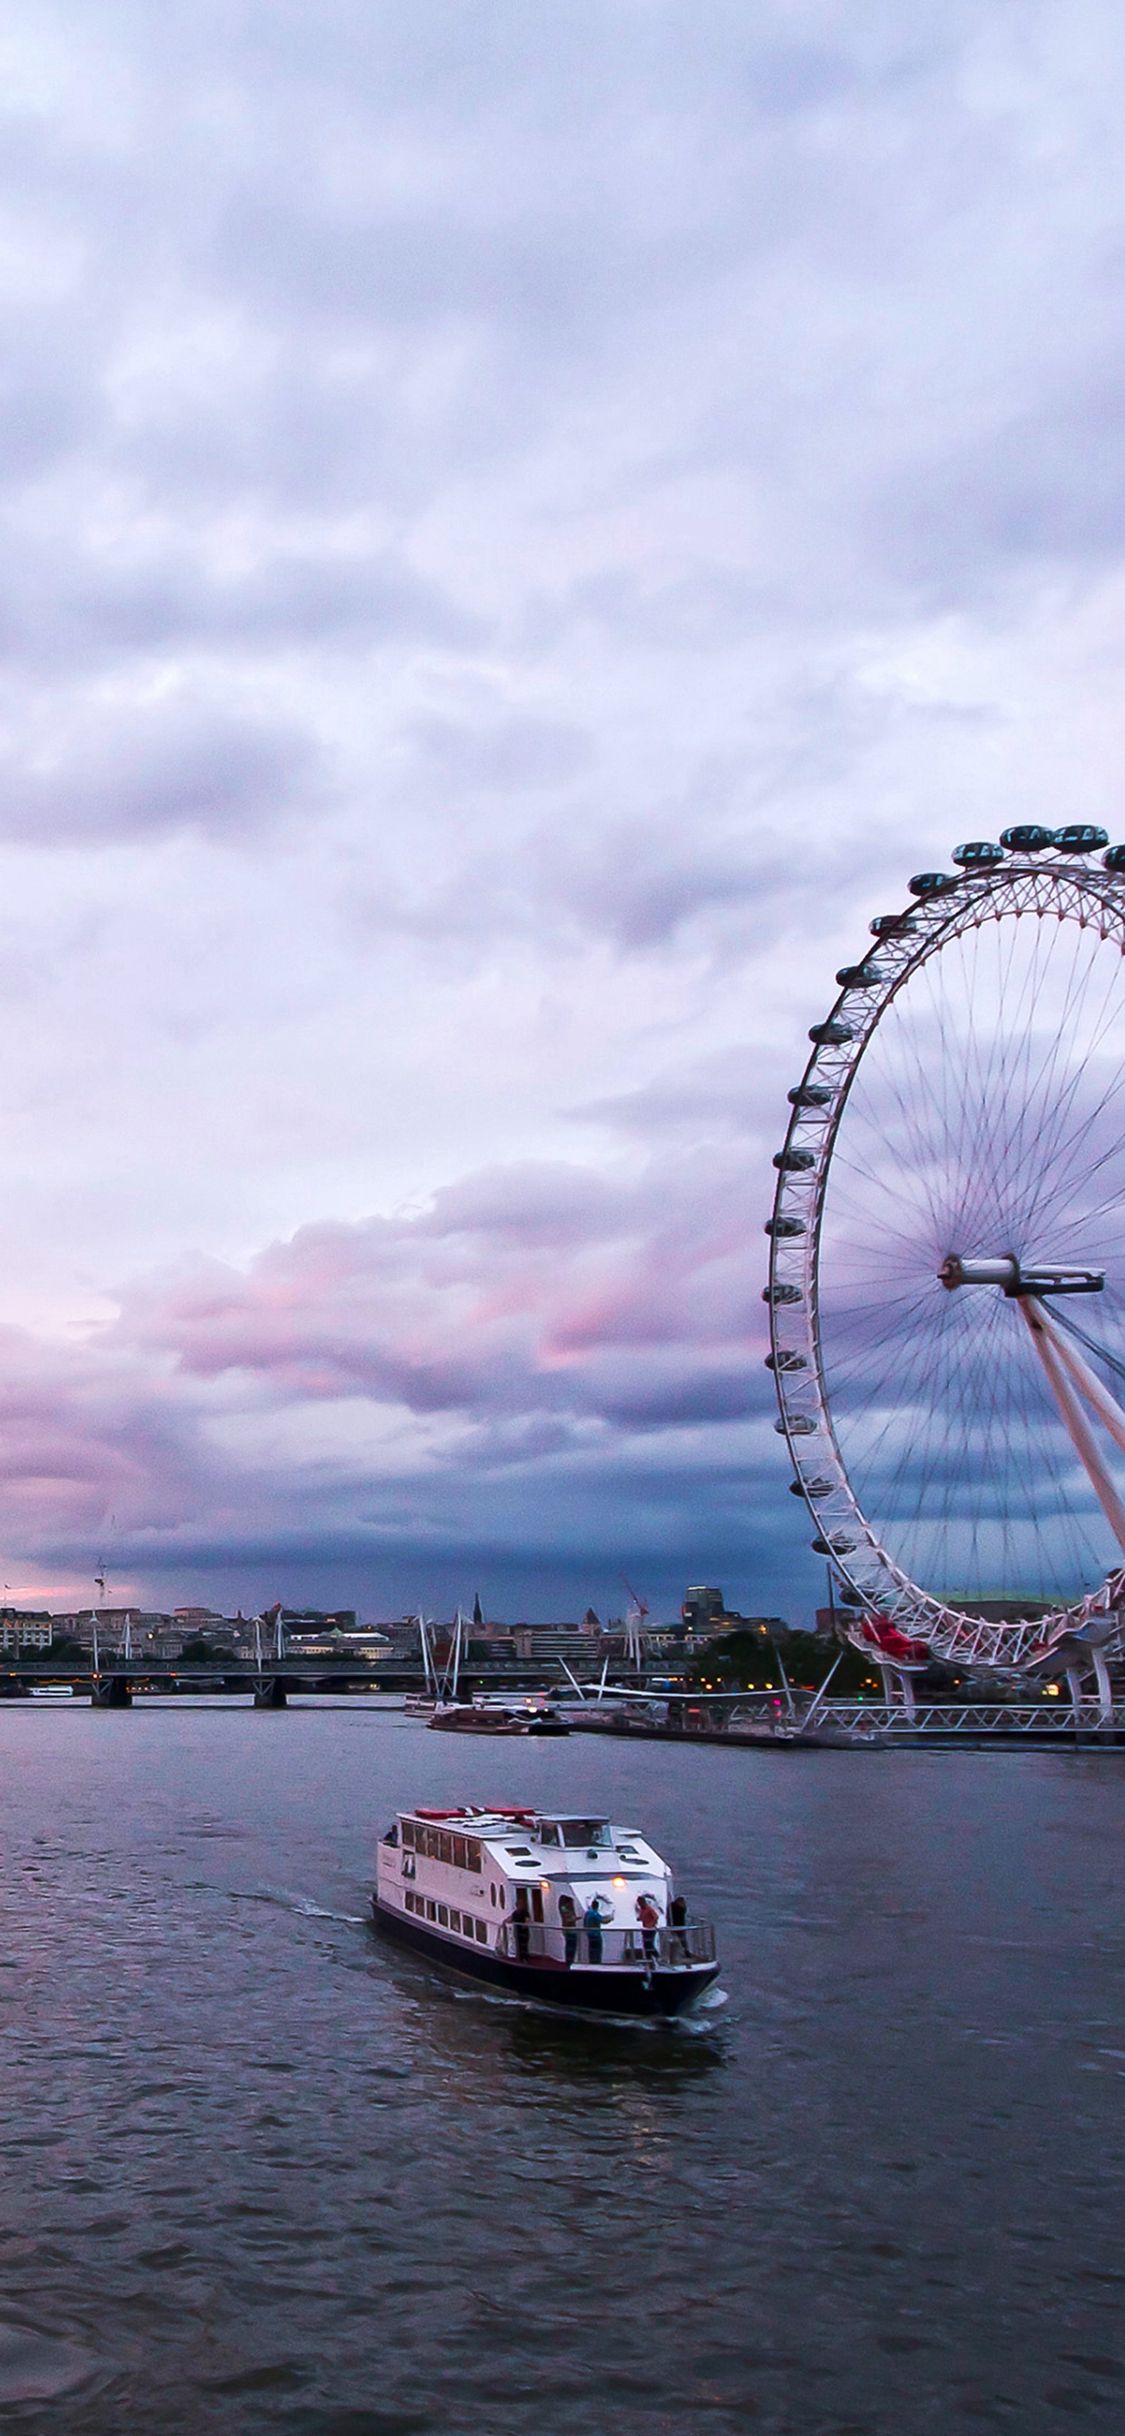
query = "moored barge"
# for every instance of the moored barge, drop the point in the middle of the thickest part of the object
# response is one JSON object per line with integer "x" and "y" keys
{"x": 570, "y": 1911}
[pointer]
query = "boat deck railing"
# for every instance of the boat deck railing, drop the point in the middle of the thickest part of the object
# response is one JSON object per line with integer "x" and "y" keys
{"x": 615, "y": 1949}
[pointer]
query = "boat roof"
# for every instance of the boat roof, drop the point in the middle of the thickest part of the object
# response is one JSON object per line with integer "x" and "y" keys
{"x": 502, "y": 1818}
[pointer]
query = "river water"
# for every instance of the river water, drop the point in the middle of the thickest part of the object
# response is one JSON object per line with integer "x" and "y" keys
{"x": 261, "y": 2172}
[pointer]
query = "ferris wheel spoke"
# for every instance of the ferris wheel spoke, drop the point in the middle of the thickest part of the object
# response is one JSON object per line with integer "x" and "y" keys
{"x": 1046, "y": 1092}
{"x": 1061, "y": 1149}
{"x": 985, "y": 1090}
{"x": 983, "y": 1093}
{"x": 1074, "y": 1158}
{"x": 1008, "y": 1118}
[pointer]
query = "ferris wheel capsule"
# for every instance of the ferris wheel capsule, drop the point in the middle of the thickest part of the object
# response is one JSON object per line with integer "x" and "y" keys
{"x": 1080, "y": 837}
{"x": 979, "y": 855}
{"x": 1028, "y": 837}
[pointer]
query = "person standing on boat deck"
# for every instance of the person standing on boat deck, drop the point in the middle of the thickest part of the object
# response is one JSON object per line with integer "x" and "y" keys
{"x": 593, "y": 1922}
{"x": 648, "y": 1913}
{"x": 677, "y": 1927}
{"x": 521, "y": 1922}
{"x": 568, "y": 1920}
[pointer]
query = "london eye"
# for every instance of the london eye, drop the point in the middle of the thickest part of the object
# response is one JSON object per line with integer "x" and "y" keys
{"x": 947, "y": 1260}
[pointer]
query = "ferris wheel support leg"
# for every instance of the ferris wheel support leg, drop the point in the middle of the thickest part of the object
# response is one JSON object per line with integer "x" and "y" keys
{"x": 1057, "y": 1364}
{"x": 1100, "y": 1695}
{"x": 898, "y": 1690}
{"x": 1086, "y": 1380}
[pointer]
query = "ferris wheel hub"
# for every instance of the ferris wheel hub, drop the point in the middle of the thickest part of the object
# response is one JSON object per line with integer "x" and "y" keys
{"x": 1008, "y": 1273}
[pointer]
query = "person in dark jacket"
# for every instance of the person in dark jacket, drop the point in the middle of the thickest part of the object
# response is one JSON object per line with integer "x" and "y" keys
{"x": 677, "y": 1924}
{"x": 521, "y": 1922}
{"x": 568, "y": 1921}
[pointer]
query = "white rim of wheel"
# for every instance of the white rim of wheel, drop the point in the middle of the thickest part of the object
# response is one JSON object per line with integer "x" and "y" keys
{"x": 1042, "y": 885}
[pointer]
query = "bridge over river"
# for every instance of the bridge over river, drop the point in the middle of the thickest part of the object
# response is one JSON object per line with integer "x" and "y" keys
{"x": 641, "y": 1711}
{"x": 115, "y": 1678}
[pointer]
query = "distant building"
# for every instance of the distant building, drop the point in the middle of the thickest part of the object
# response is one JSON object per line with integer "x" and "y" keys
{"x": 546, "y": 1644}
{"x": 705, "y": 1613}
{"x": 704, "y": 1607}
{"x": 111, "y": 1623}
{"x": 24, "y": 1628}
{"x": 365, "y": 1646}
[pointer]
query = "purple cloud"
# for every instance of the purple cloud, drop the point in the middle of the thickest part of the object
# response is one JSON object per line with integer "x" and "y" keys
{"x": 584, "y": 512}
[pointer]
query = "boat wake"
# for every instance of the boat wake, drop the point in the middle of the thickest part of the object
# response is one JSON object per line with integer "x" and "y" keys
{"x": 694, "y": 2023}
{"x": 287, "y": 1901}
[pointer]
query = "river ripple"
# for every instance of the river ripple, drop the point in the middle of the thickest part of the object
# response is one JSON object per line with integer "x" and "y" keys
{"x": 261, "y": 2173}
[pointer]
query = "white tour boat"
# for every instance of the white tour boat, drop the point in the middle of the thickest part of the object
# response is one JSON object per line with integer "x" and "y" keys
{"x": 570, "y": 1911}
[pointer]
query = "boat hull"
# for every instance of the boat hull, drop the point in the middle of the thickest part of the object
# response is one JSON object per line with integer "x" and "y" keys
{"x": 486, "y": 1721}
{"x": 578, "y": 1990}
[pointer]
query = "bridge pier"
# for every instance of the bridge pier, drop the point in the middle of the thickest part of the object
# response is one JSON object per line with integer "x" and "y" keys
{"x": 270, "y": 1693}
{"x": 111, "y": 1692}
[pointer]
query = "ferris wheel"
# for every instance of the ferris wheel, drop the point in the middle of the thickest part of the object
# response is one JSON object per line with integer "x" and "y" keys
{"x": 947, "y": 1261}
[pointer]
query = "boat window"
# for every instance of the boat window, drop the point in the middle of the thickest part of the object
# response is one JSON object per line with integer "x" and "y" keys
{"x": 445, "y": 1846}
{"x": 431, "y": 1908}
{"x": 408, "y": 1831}
{"x": 455, "y": 1921}
{"x": 519, "y": 1852}
{"x": 549, "y": 1834}
{"x": 482, "y": 1933}
{"x": 577, "y": 1833}
{"x": 443, "y": 1915}
{"x": 460, "y": 1852}
{"x": 472, "y": 1854}
{"x": 492, "y": 1894}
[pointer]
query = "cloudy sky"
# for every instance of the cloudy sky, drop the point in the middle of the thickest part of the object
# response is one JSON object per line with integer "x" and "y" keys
{"x": 523, "y": 522}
